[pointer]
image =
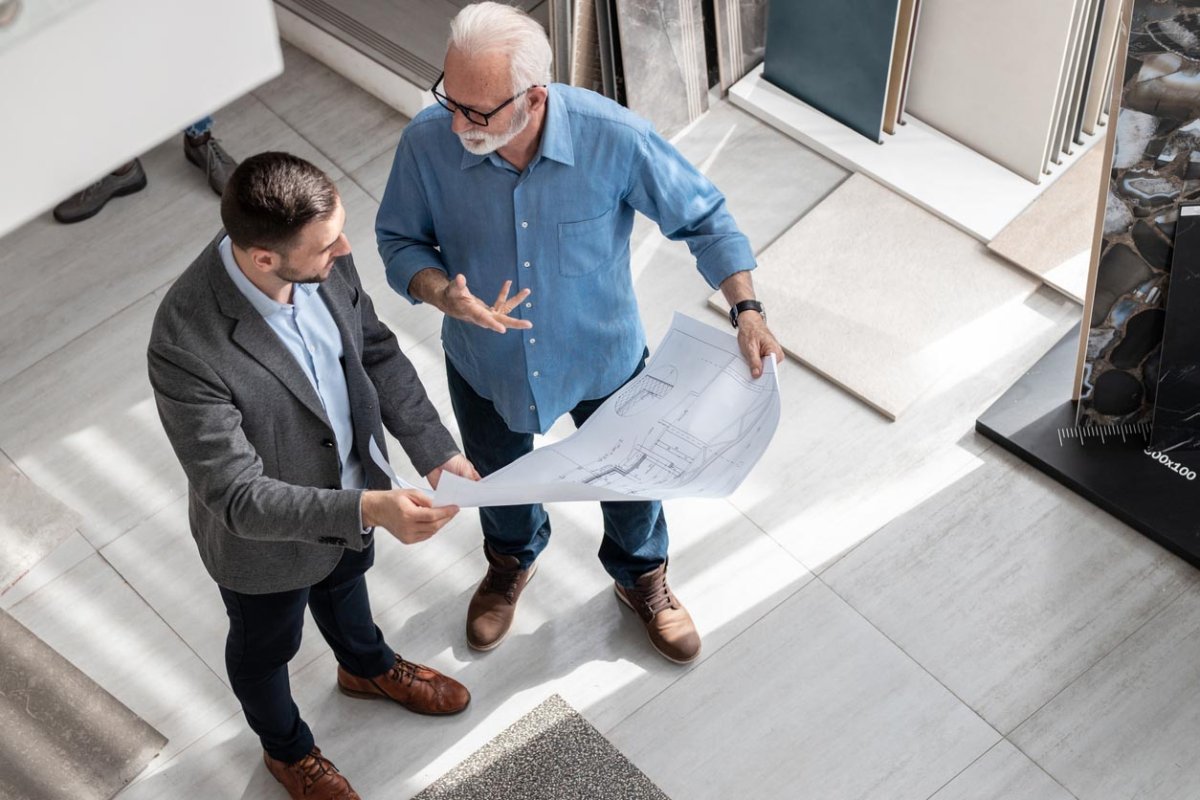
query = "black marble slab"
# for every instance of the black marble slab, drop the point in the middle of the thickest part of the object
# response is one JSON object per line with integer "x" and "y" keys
{"x": 1114, "y": 467}
{"x": 64, "y": 737}
{"x": 1177, "y": 399}
{"x": 552, "y": 753}
{"x": 834, "y": 55}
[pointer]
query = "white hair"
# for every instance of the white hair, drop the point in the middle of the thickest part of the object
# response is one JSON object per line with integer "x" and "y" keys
{"x": 488, "y": 27}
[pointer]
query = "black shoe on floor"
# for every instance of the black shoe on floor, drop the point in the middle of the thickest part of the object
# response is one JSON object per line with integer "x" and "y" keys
{"x": 207, "y": 154}
{"x": 86, "y": 204}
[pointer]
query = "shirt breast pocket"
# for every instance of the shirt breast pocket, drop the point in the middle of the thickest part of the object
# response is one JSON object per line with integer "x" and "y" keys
{"x": 585, "y": 246}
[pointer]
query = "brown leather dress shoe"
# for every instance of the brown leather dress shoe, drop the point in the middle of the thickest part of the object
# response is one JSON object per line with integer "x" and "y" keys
{"x": 313, "y": 777}
{"x": 416, "y": 687}
{"x": 494, "y": 604}
{"x": 668, "y": 624}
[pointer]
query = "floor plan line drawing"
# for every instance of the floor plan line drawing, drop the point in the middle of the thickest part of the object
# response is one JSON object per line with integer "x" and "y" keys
{"x": 692, "y": 424}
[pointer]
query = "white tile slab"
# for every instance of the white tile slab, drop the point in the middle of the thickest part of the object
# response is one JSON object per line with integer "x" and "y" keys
{"x": 570, "y": 636}
{"x": 844, "y": 714}
{"x": 1052, "y": 239}
{"x": 966, "y": 83}
{"x": 1127, "y": 728}
{"x": 885, "y": 299}
{"x": 99, "y": 624}
{"x": 1106, "y": 52}
{"x": 344, "y": 122}
{"x": 1003, "y": 773}
{"x": 1007, "y": 550}
{"x": 82, "y": 425}
{"x": 62, "y": 558}
{"x": 937, "y": 173}
{"x": 32, "y": 524}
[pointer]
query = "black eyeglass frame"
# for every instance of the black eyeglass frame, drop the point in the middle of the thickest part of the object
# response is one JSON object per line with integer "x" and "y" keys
{"x": 472, "y": 115}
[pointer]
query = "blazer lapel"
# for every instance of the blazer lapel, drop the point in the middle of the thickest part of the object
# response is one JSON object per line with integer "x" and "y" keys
{"x": 254, "y": 335}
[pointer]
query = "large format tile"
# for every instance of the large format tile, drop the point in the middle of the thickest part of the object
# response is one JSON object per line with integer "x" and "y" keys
{"x": 809, "y": 702}
{"x": 344, "y": 122}
{"x": 32, "y": 524}
{"x": 885, "y": 299}
{"x": 57, "y": 562}
{"x": 571, "y": 636}
{"x": 100, "y": 625}
{"x": 246, "y": 126}
{"x": 1003, "y": 773}
{"x": 83, "y": 426}
{"x": 1003, "y": 550}
{"x": 1127, "y": 728}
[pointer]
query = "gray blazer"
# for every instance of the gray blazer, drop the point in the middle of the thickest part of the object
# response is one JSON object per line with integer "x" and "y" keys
{"x": 264, "y": 497}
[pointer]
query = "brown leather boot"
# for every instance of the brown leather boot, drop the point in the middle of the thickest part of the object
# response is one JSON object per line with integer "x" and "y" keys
{"x": 418, "y": 688}
{"x": 490, "y": 614}
{"x": 668, "y": 624}
{"x": 313, "y": 777}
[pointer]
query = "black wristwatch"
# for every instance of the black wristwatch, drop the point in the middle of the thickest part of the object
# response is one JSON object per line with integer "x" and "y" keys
{"x": 746, "y": 305}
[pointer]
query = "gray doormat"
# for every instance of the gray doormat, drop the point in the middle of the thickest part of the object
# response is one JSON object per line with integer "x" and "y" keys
{"x": 551, "y": 753}
{"x": 63, "y": 736}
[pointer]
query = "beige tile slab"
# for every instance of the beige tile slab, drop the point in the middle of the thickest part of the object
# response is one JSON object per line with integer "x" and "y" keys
{"x": 1128, "y": 727}
{"x": 99, "y": 624}
{"x": 348, "y": 125}
{"x": 966, "y": 83}
{"x": 886, "y": 300}
{"x": 57, "y": 562}
{"x": 1003, "y": 773}
{"x": 1052, "y": 239}
{"x": 845, "y": 714}
{"x": 570, "y": 637}
{"x": 82, "y": 425}
{"x": 32, "y": 524}
{"x": 1006, "y": 588}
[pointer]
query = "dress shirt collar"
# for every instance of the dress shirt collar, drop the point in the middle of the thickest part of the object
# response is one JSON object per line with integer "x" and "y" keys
{"x": 556, "y": 143}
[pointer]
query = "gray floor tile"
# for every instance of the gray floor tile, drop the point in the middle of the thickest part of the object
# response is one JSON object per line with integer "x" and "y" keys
{"x": 1127, "y": 728}
{"x": 571, "y": 637}
{"x": 83, "y": 426}
{"x": 809, "y": 702}
{"x": 58, "y": 562}
{"x": 98, "y": 623}
{"x": 1003, "y": 773}
{"x": 246, "y": 126}
{"x": 373, "y": 175}
{"x": 1003, "y": 550}
{"x": 347, "y": 124}
{"x": 32, "y": 524}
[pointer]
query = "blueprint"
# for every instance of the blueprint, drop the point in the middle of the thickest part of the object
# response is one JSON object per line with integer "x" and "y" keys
{"x": 692, "y": 424}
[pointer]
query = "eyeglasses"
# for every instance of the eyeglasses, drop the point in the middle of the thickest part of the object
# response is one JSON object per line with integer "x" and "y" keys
{"x": 474, "y": 117}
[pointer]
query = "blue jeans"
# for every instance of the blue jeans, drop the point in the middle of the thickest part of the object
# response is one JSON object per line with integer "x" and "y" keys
{"x": 635, "y": 533}
{"x": 264, "y": 635}
{"x": 199, "y": 127}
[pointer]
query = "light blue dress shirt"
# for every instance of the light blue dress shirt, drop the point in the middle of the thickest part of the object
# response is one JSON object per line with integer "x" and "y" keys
{"x": 561, "y": 229}
{"x": 311, "y": 335}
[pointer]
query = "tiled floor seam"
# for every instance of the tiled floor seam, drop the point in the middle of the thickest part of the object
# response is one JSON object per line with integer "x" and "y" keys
{"x": 956, "y": 775}
{"x": 712, "y": 654}
{"x": 1044, "y": 771}
{"x": 332, "y": 160}
{"x": 149, "y": 773}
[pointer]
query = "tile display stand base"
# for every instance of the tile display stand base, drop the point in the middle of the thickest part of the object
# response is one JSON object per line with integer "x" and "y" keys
{"x": 930, "y": 169}
{"x": 1112, "y": 467}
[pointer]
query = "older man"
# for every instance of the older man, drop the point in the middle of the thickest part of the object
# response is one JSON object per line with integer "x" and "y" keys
{"x": 510, "y": 182}
{"x": 273, "y": 379}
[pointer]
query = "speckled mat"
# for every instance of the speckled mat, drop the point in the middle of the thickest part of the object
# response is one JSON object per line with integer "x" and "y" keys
{"x": 64, "y": 736}
{"x": 551, "y": 753}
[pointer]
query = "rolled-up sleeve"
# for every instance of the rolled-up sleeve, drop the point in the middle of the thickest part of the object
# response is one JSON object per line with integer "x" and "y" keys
{"x": 665, "y": 187}
{"x": 404, "y": 227}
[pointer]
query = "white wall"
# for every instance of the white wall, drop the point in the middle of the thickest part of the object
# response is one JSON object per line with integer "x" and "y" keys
{"x": 113, "y": 78}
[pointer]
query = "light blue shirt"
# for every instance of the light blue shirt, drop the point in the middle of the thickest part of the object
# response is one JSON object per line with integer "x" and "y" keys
{"x": 559, "y": 228}
{"x": 311, "y": 335}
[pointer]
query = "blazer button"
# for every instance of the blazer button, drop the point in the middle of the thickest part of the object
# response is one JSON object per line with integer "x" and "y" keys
{"x": 326, "y": 443}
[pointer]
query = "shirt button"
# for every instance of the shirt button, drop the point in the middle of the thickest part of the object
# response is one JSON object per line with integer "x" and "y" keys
{"x": 526, "y": 265}
{"x": 529, "y": 305}
{"x": 533, "y": 408}
{"x": 524, "y": 224}
{"x": 532, "y": 340}
{"x": 536, "y": 374}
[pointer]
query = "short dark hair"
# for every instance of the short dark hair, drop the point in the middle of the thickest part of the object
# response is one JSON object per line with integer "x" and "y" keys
{"x": 271, "y": 196}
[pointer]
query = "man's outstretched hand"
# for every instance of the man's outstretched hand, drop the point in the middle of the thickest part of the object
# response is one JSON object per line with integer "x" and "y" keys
{"x": 458, "y": 302}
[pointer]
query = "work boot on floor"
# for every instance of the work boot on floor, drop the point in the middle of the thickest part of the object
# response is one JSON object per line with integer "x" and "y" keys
{"x": 668, "y": 623}
{"x": 207, "y": 154}
{"x": 87, "y": 203}
{"x": 494, "y": 603}
{"x": 313, "y": 777}
{"x": 416, "y": 687}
